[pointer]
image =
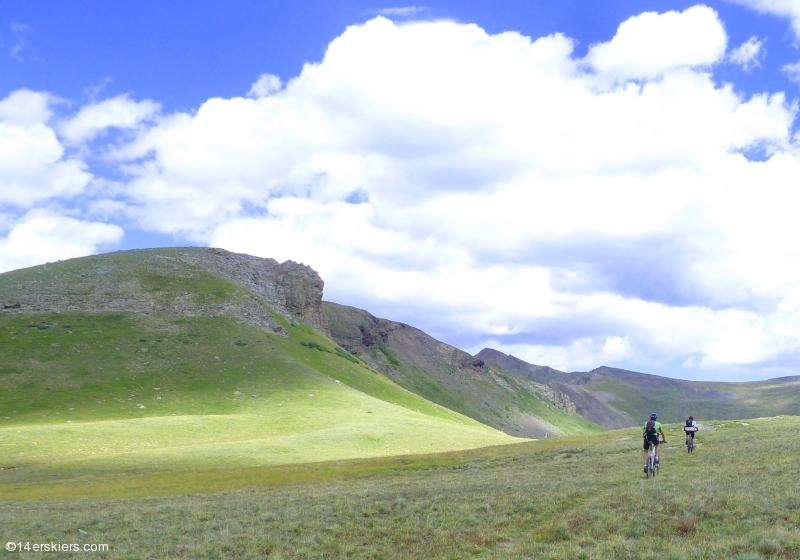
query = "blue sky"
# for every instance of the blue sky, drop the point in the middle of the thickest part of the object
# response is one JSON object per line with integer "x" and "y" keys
{"x": 577, "y": 183}
{"x": 182, "y": 53}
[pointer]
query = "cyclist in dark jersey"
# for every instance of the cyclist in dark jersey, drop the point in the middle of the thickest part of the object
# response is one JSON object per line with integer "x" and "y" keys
{"x": 691, "y": 429}
{"x": 651, "y": 430}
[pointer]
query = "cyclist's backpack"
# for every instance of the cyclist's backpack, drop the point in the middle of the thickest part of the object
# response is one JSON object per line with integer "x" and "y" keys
{"x": 688, "y": 423}
{"x": 650, "y": 428}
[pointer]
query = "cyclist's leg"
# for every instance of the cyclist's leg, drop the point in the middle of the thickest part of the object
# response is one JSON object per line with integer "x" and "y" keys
{"x": 657, "y": 446}
{"x": 646, "y": 452}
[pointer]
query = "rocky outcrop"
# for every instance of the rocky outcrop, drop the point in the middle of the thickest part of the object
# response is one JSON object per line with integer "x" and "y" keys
{"x": 356, "y": 330}
{"x": 369, "y": 337}
{"x": 291, "y": 289}
{"x": 190, "y": 281}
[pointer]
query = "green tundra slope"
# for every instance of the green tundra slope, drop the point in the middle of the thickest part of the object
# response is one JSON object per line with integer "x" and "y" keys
{"x": 452, "y": 378}
{"x": 84, "y": 393}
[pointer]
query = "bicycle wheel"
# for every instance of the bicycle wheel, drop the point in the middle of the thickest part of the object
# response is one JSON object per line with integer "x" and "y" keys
{"x": 691, "y": 444}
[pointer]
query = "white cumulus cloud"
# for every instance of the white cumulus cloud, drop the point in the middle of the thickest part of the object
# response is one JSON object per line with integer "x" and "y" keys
{"x": 783, "y": 8}
{"x": 42, "y": 236}
{"x": 118, "y": 112}
{"x": 26, "y": 107}
{"x": 792, "y": 72}
{"x": 266, "y": 85}
{"x": 650, "y": 44}
{"x": 748, "y": 54}
{"x": 33, "y": 164}
{"x": 484, "y": 188}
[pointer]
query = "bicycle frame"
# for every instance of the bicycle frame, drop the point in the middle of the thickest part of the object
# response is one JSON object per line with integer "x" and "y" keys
{"x": 652, "y": 468}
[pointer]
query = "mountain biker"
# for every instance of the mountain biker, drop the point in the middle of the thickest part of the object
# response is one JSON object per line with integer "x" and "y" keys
{"x": 650, "y": 433}
{"x": 690, "y": 428}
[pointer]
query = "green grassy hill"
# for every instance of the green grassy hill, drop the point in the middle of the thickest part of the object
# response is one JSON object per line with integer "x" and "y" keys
{"x": 571, "y": 497}
{"x": 86, "y": 393}
{"x": 83, "y": 397}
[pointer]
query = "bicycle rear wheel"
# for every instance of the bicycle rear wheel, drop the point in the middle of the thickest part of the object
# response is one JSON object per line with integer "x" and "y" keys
{"x": 690, "y": 446}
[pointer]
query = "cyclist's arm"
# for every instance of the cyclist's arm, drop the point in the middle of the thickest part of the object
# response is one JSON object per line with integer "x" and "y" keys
{"x": 663, "y": 437}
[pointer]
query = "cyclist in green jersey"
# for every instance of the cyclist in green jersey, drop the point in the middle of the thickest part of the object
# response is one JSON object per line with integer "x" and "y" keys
{"x": 652, "y": 429}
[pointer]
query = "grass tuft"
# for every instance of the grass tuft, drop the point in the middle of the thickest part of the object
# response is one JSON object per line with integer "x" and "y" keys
{"x": 346, "y": 355}
{"x": 41, "y": 326}
{"x": 315, "y": 345}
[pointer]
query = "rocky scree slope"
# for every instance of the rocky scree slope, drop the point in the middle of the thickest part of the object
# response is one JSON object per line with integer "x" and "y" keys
{"x": 453, "y": 378}
{"x": 591, "y": 406}
{"x": 163, "y": 281}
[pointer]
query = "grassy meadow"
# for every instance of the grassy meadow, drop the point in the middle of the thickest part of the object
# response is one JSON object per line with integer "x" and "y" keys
{"x": 84, "y": 395}
{"x": 572, "y": 497}
{"x": 176, "y": 436}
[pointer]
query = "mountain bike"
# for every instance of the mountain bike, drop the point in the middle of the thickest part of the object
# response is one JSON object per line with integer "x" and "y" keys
{"x": 690, "y": 442}
{"x": 652, "y": 466}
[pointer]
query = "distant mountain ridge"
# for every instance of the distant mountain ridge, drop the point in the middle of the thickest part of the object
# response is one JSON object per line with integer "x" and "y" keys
{"x": 631, "y": 396}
